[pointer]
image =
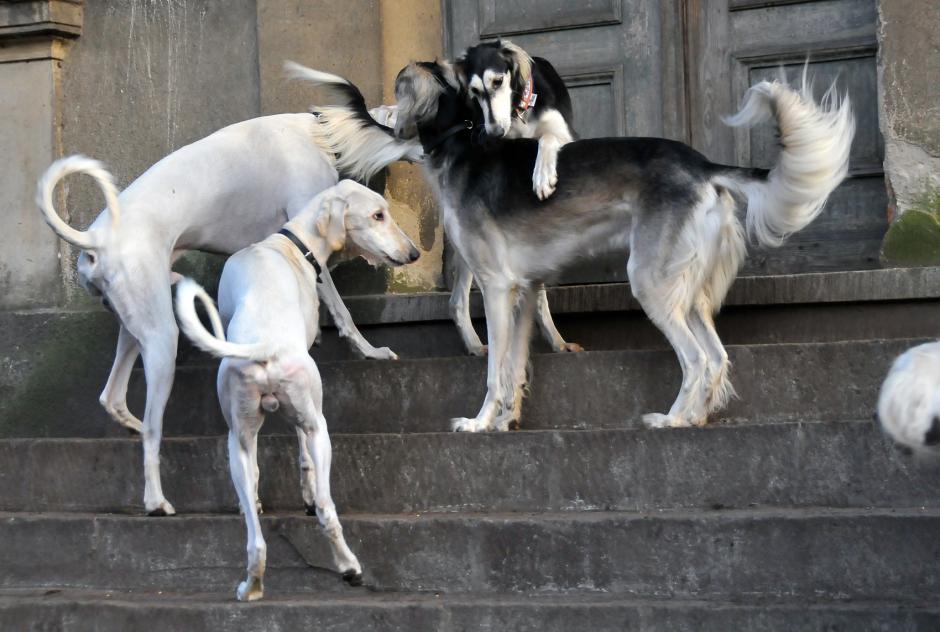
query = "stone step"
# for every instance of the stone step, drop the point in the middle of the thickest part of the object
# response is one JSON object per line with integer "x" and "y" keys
{"x": 817, "y": 554}
{"x": 597, "y": 389}
{"x": 95, "y": 611}
{"x": 834, "y": 464}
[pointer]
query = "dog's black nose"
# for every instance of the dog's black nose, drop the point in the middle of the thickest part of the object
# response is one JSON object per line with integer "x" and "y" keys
{"x": 414, "y": 254}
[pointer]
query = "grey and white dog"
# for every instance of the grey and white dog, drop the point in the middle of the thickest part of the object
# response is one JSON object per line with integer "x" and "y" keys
{"x": 909, "y": 404}
{"x": 665, "y": 201}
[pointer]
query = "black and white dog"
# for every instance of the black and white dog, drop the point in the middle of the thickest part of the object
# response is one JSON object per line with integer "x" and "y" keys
{"x": 520, "y": 97}
{"x": 667, "y": 202}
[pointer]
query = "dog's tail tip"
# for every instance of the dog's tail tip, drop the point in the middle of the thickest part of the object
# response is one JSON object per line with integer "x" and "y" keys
{"x": 293, "y": 70}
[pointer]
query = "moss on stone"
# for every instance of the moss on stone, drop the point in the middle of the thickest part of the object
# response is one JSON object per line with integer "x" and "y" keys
{"x": 914, "y": 238}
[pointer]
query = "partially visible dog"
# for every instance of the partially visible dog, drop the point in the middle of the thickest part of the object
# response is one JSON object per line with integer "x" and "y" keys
{"x": 219, "y": 194}
{"x": 520, "y": 97}
{"x": 672, "y": 206}
{"x": 909, "y": 404}
{"x": 268, "y": 302}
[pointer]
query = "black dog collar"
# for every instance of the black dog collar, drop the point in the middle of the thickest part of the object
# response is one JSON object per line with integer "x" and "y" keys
{"x": 304, "y": 251}
{"x": 452, "y": 131}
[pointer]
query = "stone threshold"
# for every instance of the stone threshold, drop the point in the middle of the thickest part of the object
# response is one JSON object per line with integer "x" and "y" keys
{"x": 889, "y": 284}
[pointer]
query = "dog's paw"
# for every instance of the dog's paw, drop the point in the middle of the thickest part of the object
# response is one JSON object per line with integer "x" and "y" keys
{"x": 544, "y": 181}
{"x": 504, "y": 423}
{"x": 250, "y": 590}
{"x": 658, "y": 420}
{"x": 381, "y": 353}
{"x": 464, "y": 424}
{"x": 353, "y": 577}
{"x": 479, "y": 351}
{"x": 160, "y": 509}
{"x": 569, "y": 347}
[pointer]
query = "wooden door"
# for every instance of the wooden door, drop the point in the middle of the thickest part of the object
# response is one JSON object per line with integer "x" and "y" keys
{"x": 672, "y": 68}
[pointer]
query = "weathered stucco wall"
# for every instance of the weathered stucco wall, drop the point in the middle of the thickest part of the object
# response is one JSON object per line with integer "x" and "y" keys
{"x": 909, "y": 65}
{"x": 147, "y": 77}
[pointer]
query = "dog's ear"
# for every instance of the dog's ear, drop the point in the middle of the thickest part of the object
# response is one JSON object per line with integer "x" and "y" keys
{"x": 520, "y": 65}
{"x": 331, "y": 224}
{"x": 460, "y": 70}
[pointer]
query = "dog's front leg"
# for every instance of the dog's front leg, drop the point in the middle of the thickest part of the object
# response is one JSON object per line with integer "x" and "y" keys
{"x": 306, "y": 395}
{"x": 460, "y": 308}
{"x": 344, "y": 322}
{"x": 497, "y": 301}
{"x": 513, "y": 376}
{"x": 552, "y": 132}
{"x": 547, "y": 325}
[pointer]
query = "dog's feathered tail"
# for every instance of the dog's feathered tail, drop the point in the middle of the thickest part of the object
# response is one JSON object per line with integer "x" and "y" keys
{"x": 84, "y": 239}
{"x": 187, "y": 291}
{"x": 361, "y": 145}
{"x": 814, "y": 159}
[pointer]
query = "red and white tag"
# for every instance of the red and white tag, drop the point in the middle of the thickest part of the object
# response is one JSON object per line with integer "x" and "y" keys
{"x": 528, "y": 99}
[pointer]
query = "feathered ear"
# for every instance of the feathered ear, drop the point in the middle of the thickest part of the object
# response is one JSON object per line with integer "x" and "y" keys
{"x": 520, "y": 65}
{"x": 331, "y": 222}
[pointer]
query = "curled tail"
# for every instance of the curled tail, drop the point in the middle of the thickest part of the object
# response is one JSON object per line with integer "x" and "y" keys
{"x": 361, "y": 145}
{"x": 58, "y": 170}
{"x": 814, "y": 160}
{"x": 187, "y": 291}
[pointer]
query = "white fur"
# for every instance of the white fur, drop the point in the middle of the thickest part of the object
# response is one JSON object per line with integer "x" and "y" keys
{"x": 267, "y": 298}
{"x": 816, "y": 143}
{"x": 219, "y": 194}
{"x": 909, "y": 405}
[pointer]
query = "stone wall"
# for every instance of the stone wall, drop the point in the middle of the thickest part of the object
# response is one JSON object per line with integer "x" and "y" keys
{"x": 909, "y": 86}
{"x": 129, "y": 81}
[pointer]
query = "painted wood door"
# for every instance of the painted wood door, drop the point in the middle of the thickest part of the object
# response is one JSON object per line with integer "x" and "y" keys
{"x": 672, "y": 68}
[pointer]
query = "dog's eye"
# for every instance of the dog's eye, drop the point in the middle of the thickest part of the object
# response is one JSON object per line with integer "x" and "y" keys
{"x": 378, "y": 216}
{"x": 497, "y": 82}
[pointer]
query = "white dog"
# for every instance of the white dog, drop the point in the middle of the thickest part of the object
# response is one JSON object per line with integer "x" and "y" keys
{"x": 268, "y": 300}
{"x": 909, "y": 405}
{"x": 218, "y": 194}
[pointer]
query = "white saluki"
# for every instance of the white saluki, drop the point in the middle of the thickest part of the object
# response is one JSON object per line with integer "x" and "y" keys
{"x": 218, "y": 194}
{"x": 268, "y": 303}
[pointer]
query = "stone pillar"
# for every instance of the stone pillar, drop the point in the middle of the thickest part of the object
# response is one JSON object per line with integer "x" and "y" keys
{"x": 909, "y": 94}
{"x": 412, "y": 31}
{"x": 34, "y": 38}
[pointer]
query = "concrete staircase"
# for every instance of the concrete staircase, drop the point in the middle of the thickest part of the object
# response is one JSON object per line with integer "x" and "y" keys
{"x": 789, "y": 512}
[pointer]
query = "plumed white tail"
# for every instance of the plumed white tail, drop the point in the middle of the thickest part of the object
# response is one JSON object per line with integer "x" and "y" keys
{"x": 816, "y": 140}
{"x": 187, "y": 291}
{"x": 360, "y": 145}
{"x": 57, "y": 171}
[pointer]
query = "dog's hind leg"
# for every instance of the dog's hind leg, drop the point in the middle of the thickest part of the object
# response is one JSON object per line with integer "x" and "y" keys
{"x": 304, "y": 389}
{"x": 498, "y": 302}
{"x": 308, "y": 474}
{"x": 344, "y": 322}
{"x": 547, "y": 325}
{"x": 702, "y": 325}
{"x": 159, "y": 354}
{"x": 241, "y": 405}
{"x": 666, "y": 293}
{"x": 460, "y": 308}
{"x": 114, "y": 396}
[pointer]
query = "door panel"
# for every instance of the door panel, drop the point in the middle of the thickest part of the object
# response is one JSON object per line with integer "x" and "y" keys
{"x": 673, "y": 68}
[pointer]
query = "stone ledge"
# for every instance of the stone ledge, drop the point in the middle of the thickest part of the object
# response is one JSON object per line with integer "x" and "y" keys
{"x": 33, "y": 18}
{"x": 889, "y": 284}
